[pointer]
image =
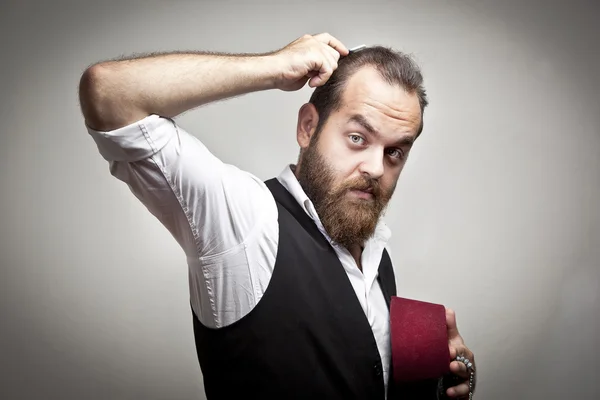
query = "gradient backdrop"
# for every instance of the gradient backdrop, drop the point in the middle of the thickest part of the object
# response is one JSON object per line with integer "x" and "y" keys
{"x": 497, "y": 213}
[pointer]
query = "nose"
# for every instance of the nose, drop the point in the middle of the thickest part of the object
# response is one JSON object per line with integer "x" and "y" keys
{"x": 372, "y": 165}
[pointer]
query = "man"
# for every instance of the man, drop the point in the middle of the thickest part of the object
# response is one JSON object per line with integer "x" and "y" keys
{"x": 290, "y": 280}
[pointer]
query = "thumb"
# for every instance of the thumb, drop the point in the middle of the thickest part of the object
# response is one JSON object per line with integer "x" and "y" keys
{"x": 451, "y": 323}
{"x": 313, "y": 78}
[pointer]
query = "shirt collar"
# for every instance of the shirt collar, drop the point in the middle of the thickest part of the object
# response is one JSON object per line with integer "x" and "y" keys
{"x": 288, "y": 180}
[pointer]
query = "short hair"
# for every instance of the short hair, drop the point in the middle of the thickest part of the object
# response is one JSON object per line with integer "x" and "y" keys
{"x": 395, "y": 67}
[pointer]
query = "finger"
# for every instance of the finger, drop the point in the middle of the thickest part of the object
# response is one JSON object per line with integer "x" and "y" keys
{"x": 451, "y": 323}
{"x": 335, "y": 56}
{"x": 323, "y": 76}
{"x": 453, "y": 352}
{"x": 324, "y": 69}
{"x": 333, "y": 42}
{"x": 460, "y": 369}
{"x": 459, "y": 390}
{"x": 461, "y": 350}
{"x": 332, "y": 55}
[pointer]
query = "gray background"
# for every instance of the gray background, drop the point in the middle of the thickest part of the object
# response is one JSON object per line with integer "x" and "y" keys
{"x": 497, "y": 213}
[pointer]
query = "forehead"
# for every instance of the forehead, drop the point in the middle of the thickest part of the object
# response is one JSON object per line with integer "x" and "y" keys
{"x": 389, "y": 106}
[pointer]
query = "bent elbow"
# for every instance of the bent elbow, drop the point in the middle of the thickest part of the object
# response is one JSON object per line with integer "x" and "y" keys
{"x": 91, "y": 96}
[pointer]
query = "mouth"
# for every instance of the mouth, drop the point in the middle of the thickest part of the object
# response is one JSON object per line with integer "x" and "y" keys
{"x": 363, "y": 193}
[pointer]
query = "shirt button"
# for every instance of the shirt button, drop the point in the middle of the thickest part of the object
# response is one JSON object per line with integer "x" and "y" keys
{"x": 377, "y": 370}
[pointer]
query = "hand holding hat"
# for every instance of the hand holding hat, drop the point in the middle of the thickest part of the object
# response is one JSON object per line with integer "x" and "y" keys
{"x": 426, "y": 345}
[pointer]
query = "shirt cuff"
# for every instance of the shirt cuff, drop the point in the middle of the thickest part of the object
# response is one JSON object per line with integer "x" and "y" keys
{"x": 136, "y": 141}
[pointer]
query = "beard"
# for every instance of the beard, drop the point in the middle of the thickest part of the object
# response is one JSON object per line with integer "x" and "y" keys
{"x": 348, "y": 221}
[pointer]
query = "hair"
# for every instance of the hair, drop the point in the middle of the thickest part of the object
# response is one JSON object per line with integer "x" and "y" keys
{"x": 395, "y": 67}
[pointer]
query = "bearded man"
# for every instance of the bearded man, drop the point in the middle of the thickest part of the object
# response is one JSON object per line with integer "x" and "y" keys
{"x": 290, "y": 280}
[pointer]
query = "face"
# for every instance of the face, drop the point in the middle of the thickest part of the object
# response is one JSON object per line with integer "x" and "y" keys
{"x": 350, "y": 168}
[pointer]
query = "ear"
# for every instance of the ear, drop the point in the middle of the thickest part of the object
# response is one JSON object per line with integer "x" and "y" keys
{"x": 308, "y": 118}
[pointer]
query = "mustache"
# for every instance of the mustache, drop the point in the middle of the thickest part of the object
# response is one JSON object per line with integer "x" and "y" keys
{"x": 366, "y": 184}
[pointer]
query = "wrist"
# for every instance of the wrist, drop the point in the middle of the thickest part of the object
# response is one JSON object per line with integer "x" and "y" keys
{"x": 270, "y": 69}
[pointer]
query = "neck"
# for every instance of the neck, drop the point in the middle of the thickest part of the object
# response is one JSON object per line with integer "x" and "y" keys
{"x": 356, "y": 252}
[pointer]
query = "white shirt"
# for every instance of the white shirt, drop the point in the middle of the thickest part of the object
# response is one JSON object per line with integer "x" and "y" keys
{"x": 226, "y": 221}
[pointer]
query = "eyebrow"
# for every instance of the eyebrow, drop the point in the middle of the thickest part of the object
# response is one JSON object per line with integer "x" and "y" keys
{"x": 362, "y": 121}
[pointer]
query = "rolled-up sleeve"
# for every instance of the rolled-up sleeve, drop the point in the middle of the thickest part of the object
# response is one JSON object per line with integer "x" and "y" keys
{"x": 134, "y": 142}
{"x": 210, "y": 207}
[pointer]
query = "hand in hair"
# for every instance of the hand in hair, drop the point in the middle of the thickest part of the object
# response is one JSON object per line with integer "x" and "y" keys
{"x": 309, "y": 59}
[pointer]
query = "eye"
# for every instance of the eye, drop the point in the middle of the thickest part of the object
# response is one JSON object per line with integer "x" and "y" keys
{"x": 356, "y": 139}
{"x": 396, "y": 153}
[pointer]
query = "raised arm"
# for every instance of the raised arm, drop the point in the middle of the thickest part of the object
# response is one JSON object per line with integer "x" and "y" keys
{"x": 224, "y": 218}
{"x": 114, "y": 94}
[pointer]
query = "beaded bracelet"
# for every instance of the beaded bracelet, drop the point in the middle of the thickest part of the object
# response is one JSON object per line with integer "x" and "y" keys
{"x": 453, "y": 380}
{"x": 471, "y": 370}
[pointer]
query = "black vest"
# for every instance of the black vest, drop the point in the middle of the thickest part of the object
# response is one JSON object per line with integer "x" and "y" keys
{"x": 308, "y": 337}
